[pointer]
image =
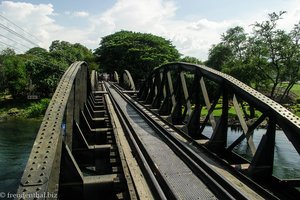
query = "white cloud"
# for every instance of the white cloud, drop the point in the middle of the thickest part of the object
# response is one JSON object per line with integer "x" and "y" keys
{"x": 192, "y": 37}
{"x": 81, "y": 14}
{"x": 35, "y": 19}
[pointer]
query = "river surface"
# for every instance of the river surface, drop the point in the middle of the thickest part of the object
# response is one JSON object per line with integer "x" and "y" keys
{"x": 16, "y": 140}
{"x": 17, "y": 137}
{"x": 286, "y": 158}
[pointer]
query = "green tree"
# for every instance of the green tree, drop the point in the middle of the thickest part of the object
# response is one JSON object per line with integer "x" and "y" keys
{"x": 137, "y": 52}
{"x": 280, "y": 52}
{"x": 15, "y": 75}
{"x": 7, "y": 52}
{"x": 45, "y": 68}
{"x": 68, "y": 53}
{"x": 265, "y": 58}
{"x": 37, "y": 51}
{"x": 218, "y": 55}
{"x": 189, "y": 59}
{"x": 44, "y": 72}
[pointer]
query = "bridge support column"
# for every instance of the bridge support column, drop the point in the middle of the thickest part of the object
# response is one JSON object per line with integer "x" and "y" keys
{"x": 261, "y": 167}
{"x": 218, "y": 140}
{"x": 169, "y": 100}
{"x": 193, "y": 124}
{"x": 176, "y": 116}
{"x": 160, "y": 92}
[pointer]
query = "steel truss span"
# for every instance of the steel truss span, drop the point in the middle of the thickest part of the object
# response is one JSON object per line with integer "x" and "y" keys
{"x": 77, "y": 153}
{"x": 179, "y": 92}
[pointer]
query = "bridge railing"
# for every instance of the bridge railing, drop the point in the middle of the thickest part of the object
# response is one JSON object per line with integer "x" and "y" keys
{"x": 41, "y": 174}
{"x": 181, "y": 92}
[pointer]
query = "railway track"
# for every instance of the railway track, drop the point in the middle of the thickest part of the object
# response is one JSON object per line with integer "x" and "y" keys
{"x": 173, "y": 168}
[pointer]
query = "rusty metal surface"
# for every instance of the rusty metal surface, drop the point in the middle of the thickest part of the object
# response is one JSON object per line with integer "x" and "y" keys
{"x": 42, "y": 170}
{"x": 227, "y": 90}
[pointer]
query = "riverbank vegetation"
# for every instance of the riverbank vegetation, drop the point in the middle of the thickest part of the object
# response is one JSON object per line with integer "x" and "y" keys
{"x": 12, "y": 108}
{"x": 28, "y": 80}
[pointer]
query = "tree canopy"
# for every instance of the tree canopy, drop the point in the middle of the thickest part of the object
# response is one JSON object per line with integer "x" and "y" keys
{"x": 137, "y": 52}
{"x": 265, "y": 58}
{"x": 38, "y": 70}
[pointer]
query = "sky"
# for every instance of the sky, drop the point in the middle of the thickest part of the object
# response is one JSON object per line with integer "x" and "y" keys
{"x": 192, "y": 26}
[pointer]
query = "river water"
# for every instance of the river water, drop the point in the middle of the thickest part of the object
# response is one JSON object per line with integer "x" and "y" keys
{"x": 16, "y": 140}
{"x": 17, "y": 137}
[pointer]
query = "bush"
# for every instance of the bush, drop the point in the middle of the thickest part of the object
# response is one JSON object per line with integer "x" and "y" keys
{"x": 37, "y": 109}
{"x": 298, "y": 100}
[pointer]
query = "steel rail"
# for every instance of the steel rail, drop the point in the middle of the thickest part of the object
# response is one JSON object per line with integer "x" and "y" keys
{"x": 209, "y": 176}
{"x": 140, "y": 152}
{"x": 250, "y": 183}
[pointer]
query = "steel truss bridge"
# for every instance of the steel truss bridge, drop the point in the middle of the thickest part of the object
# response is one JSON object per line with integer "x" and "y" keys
{"x": 104, "y": 139}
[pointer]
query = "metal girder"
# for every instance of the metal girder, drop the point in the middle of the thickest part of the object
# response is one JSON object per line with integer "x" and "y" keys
{"x": 169, "y": 99}
{"x": 193, "y": 124}
{"x": 128, "y": 81}
{"x": 116, "y": 77}
{"x": 207, "y": 103}
{"x": 159, "y": 94}
{"x": 261, "y": 166}
{"x": 42, "y": 170}
{"x": 177, "y": 104}
{"x": 244, "y": 126}
{"x": 218, "y": 140}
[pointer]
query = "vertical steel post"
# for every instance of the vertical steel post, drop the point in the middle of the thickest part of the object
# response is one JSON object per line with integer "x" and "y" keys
{"x": 218, "y": 140}
{"x": 193, "y": 124}
{"x": 169, "y": 99}
{"x": 160, "y": 91}
{"x": 261, "y": 167}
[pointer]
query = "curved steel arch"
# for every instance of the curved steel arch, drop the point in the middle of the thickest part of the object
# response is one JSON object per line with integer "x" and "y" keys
{"x": 116, "y": 77}
{"x": 160, "y": 91}
{"x": 42, "y": 170}
{"x": 126, "y": 80}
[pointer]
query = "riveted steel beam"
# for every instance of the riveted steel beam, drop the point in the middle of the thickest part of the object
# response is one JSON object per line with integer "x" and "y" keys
{"x": 42, "y": 170}
{"x": 230, "y": 90}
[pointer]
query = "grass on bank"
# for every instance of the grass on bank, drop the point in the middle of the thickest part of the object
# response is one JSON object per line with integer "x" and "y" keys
{"x": 296, "y": 89}
{"x": 231, "y": 111}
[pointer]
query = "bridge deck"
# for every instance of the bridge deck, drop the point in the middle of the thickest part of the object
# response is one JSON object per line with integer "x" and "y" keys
{"x": 181, "y": 180}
